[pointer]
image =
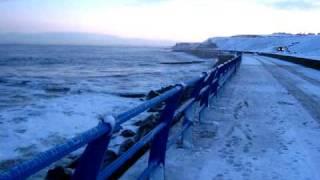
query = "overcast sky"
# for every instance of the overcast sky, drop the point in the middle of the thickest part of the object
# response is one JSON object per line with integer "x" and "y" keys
{"x": 178, "y": 20}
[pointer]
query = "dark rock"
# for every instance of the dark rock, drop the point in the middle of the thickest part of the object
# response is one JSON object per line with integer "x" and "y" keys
{"x": 164, "y": 89}
{"x": 152, "y": 94}
{"x": 126, "y": 145}
{"x": 155, "y": 93}
{"x": 131, "y": 95}
{"x": 150, "y": 119}
{"x": 128, "y": 133}
{"x": 146, "y": 125}
{"x": 109, "y": 157}
{"x": 58, "y": 173}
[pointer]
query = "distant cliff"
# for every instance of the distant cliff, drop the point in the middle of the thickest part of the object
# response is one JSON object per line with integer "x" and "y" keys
{"x": 205, "y": 49}
{"x": 184, "y": 46}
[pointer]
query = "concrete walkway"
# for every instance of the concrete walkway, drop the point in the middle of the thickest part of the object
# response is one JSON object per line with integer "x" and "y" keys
{"x": 268, "y": 127}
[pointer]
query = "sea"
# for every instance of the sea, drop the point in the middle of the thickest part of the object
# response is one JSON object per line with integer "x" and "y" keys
{"x": 49, "y": 93}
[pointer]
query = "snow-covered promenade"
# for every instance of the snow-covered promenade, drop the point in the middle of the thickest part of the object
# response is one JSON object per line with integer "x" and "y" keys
{"x": 268, "y": 118}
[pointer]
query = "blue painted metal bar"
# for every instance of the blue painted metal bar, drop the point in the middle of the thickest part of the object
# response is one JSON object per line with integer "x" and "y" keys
{"x": 93, "y": 156}
{"x": 194, "y": 82}
{"x": 184, "y": 106}
{"x": 146, "y": 173}
{"x": 159, "y": 143}
{"x": 175, "y": 137}
{"x": 42, "y": 160}
{"x": 205, "y": 92}
{"x": 145, "y": 106}
{"x": 198, "y": 86}
{"x": 107, "y": 171}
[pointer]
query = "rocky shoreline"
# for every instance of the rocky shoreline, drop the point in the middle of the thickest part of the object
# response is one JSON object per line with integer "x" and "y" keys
{"x": 130, "y": 133}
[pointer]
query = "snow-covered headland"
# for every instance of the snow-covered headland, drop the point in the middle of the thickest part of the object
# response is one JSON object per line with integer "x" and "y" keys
{"x": 302, "y": 45}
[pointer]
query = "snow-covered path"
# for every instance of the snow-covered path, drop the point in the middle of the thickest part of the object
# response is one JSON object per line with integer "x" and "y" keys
{"x": 268, "y": 127}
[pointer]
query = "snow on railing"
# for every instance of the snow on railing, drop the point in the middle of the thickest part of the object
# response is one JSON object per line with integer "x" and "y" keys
{"x": 97, "y": 139}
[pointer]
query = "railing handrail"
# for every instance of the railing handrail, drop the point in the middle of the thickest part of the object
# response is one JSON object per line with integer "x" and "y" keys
{"x": 43, "y": 159}
{"x": 99, "y": 136}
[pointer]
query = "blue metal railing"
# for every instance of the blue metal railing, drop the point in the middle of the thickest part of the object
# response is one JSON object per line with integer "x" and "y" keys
{"x": 305, "y": 61}
{"x": 97, "y": 138}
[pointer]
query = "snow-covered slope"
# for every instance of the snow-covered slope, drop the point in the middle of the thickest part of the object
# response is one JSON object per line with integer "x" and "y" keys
{"x": 299, "y": 45}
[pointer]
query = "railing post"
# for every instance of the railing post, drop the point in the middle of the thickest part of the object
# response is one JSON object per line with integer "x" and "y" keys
{"x": 213, "y": 90}
{"x": 93, "y": 156}
{"x": 196, "y": 92}
{"x": 205, "y": 97}
{"x": 189, "y": 114}
{"x": 233, "y": 65}
{"x": 213, "y": 86}
{"x": 199, "y": 85}
{"x": 220, "y": 73}
{"x": 210, "y": 82}
{"x": 186, "y": 136}
{"x": 159, "y": 143}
